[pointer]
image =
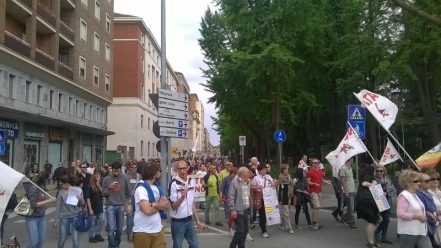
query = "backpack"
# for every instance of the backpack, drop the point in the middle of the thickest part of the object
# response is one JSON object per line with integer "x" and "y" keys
{"x": 83, "y": 223}
{"x": 151, "y": 197}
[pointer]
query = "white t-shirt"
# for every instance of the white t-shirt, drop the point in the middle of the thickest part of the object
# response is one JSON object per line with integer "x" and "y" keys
{"x": 142, "y": 222}
{"x": 186, "y": 207}
{"x": 263, "y": 181}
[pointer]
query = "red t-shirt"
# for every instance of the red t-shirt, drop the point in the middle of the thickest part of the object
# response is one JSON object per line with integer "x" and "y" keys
{"x": 315, "y": 176}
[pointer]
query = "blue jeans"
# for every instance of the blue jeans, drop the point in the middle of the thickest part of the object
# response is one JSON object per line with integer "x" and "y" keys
{"x": 115, "y": 222}
{"x": 97, "y": 225}
{"x": 66, "y": 227}
{"x": 129, "y": 217}
{"x": 184, "y": 230}
{"x": 36, "y": 227}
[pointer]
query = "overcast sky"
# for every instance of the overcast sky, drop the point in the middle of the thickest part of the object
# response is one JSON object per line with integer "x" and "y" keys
{"x": 183, "y": 19}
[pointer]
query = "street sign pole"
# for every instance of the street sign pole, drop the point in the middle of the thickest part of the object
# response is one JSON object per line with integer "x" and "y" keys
{"x": 165, "y": 153}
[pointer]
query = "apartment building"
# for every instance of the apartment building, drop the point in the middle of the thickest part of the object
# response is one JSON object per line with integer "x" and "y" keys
{"x": 55, "y": 80}
{"x": 198, "y": 130}
{"x": 137, "y": 71}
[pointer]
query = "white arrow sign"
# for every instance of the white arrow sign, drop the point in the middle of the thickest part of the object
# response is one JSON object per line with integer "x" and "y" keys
{"x": 164, "y": 122}
{"x": 172, "y": 132}
{"x": 172, "y": 95}
{"x": 167, "y": 103}
{"x": 171, "y": 113}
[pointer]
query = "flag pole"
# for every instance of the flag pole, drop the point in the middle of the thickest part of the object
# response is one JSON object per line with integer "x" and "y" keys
{"x": 356, "y": 134}
{"x": 38, "y": 187}
{"x": 393, "y": 137}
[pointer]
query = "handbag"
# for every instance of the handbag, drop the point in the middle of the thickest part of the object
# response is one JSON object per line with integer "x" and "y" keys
{"x": 83, "y": 222}
{"x": 24, "y": 208}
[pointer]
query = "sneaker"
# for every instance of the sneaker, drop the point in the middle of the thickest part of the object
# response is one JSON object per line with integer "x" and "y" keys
{"x": 354, "y": 227}
{"x": 291, "y": 231}
{"x": 265, "y": 235}
{"x": 314, "y": 227}
{"x": 100, "y": 239}
{"x": 93, "y": 240}
{"x": 249, "y": 238}
{"x": 218, "y": 224}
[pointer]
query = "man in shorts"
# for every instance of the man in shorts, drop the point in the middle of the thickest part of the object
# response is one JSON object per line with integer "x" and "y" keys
{"x": 315, "y": 179}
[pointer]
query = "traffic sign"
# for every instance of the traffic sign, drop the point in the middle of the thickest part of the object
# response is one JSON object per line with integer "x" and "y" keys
{"x": 356, "y": 113}
{"x": 172, "y": 132}
{"x": 242, "y": 140}
{"x": 172, "y": 113}
{"x": 359, "y": 127}
{"x": 172, "y": 95}
{"x": 280, "y": 136}
{"x": 2, "y": 142}
{"x": 172, "y": 104}
{"x": 175, "y": 123}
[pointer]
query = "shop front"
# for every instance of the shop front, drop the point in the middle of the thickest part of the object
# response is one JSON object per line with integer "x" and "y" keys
{"x": 11, "y": 129}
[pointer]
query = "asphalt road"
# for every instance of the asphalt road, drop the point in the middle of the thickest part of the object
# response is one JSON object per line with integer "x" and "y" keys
{"x": 332, "y": 235}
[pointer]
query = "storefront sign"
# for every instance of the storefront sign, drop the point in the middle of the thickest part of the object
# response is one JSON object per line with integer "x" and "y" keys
{"x": 10, "y": 127}
{"x": 56, "y": 134}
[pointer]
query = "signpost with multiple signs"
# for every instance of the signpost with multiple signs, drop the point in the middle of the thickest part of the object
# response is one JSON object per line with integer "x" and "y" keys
{"x": 172, "y": 114}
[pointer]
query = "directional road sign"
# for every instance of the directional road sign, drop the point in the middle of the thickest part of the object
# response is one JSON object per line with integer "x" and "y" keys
{"x": 172, "y": 132}
{"x": 172, "y": 104}
{"x": 172, "y": 113}
{"x": 359, "y": 127}
{"x": 280, "y": 136}
{"x": 175, "y": 123}
{"x": 356, "y": 113}
{"x": 172, "y": 95}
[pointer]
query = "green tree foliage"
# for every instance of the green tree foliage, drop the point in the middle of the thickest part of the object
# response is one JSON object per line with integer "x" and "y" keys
{"x": 293, "y": 65}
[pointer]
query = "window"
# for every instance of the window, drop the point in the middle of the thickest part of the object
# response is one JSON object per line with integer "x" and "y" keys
{"x": 69, "y": 108}
{"x": 51, "y": 99}
{"x": 77, "y": 107}
{"x": 107, "y": 52}
{"x": 148, "y": 71}
{"x": 103, "y": 117}
{"x": 11, "y": 85}
{"x": 142, "y": 64}
{"x": 142, "y": 39}
{"x": 142, "y": 148}
{"x": 84, "y": 2}
{"x": 83, "y": 30}
{"x": 107, "y": 82}
{"x": 96, "y": 76}
{"x": 148, "y": 124}
{"x": 142, "y": 120}
{"x": 82, "y": 68}
{"x": 150, "y": 52}
{"x": 39, "y": 87}
{"x": 108, "y": 23}
{"x": 84, "y": 112}
{"x": 60, "y": 102}
{"x": 97, "y": 119}
{"x": 96, "y": 42}
{"x": 64, "y": 55}
{"x": 148, "y": 149}
{"x": 97, "y": 10}
{"x": 90, "y": 112}
{"x": 28, "y": 89}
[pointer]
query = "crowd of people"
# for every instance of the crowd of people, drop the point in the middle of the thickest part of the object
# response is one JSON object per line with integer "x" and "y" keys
{"x": 108, "y": 194}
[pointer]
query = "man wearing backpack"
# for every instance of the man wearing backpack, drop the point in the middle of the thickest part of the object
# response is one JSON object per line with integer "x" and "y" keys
{"x": 181, "y": 195}
{"x": 148, "y": 201}
{"x": 117, "y": 190}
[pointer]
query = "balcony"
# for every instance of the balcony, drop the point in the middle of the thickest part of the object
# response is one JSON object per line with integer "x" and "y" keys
{"x": 44, "y": 59}
{"x": 67, "y": 31}
{"x": 17, "y": 44}
{"x": 47, "y": 15}
{"x": 67, "y": 4}
{"x": 65, "y": 70}
{"x": 28, "y": 3}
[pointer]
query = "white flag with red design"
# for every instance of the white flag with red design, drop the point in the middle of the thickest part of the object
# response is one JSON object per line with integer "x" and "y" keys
{"x": 10, "y": 179}
{"x": 390, "y": 154}
{"x": 350, "y": 146}
{"x": 383, "y": 110}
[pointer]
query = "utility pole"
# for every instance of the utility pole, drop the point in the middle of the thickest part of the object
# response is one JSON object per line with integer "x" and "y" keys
{"x": 165, "y": 146}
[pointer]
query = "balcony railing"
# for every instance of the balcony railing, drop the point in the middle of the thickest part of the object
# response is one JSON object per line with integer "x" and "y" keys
{"x": 44, "y": 59}
{"x": 46, "y": 14}
{"x": 67, "y": 31}
{"x": 28, "y": 3}
{"x": 65, "y": 70}
{"x": 17, "y": 44}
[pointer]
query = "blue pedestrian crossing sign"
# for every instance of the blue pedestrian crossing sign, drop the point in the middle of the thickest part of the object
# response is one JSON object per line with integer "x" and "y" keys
{"x": 359, "y": 127}
{"x": 356, "y": 113}
{"x": 280, "y": 136}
